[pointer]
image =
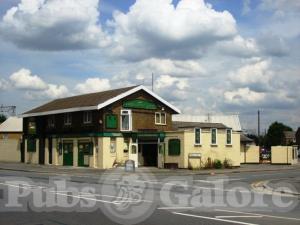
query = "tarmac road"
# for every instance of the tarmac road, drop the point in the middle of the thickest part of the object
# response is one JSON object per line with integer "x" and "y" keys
{"x": 146, "y": 198}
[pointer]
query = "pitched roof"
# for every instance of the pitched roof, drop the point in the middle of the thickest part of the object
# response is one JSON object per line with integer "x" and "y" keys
{"x": 90, "y": 101}
{"x": 244, "y": 138}
{"x": 232, "y": 121}
{"x": 289, "y": 134}
{"x": 12, "y": 124}
{"x": 181, "y": 125}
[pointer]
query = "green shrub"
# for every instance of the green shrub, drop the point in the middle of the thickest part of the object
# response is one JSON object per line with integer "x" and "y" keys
{"x": 217, "y": 164}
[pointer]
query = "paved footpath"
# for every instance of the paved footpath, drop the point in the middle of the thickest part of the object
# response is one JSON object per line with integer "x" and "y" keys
{"x": 81, "y": 171}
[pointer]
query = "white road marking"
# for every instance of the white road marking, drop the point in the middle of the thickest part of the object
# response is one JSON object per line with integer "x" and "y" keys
{"x": 239, "y": 216}
{"x": 257, "y": 214}
{"x": 110, "y": 196}
{"x": 212, "y": 218}
{"x": 167, "y": 208}
{"x": 218, "y": 180}
{"x": 91, "y": 199}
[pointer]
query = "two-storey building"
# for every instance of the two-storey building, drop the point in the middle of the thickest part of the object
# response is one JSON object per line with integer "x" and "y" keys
{"x": 98, "y": 130}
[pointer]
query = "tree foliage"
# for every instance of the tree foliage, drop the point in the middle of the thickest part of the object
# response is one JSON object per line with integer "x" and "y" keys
{"x": 2, "y": 118}
{"x": 275, "y": 134}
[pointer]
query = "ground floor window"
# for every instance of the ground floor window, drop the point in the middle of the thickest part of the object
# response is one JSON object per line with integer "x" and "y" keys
{"x": 228, "y": 136}
{"x": 214, "y": 136}
{"x": 112, "y": 145}
{"x": 197, "y": 136}
{"x": 174, "y": 147}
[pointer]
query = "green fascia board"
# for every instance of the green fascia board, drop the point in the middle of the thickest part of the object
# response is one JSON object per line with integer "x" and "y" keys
{"x": 160, "y": 135}
{"x": 140, "y": 104}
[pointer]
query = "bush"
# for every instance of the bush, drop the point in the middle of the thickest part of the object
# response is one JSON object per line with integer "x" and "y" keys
{"x": 217, "y": 164}
{"x": 227, "y": 163}
{"x": 208, "y": 164}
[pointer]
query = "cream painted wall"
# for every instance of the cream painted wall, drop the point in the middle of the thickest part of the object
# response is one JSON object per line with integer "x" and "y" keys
{"x": 283, "y": 155}
{"x": 106, "y": 158}
{"x": 249, "y": 154}
{"x": 10, "y": 150}
{"x": 32, "y": 157}
{"x": 220, "y": 151}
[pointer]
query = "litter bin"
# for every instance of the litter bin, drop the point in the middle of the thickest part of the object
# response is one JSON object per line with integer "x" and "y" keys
{"x": 129, "y": 166}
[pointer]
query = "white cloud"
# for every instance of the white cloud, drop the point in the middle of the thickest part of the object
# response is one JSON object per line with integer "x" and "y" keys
{"x": 53, "y": 25}
{"x": 239, "y": 46}
{"x": 25, "y": 80}
{"x": 35, "y": 87}
{"x": 158, "y": 28}
{"x": 256, "y": 74}
{"x": 243, "y": 96}
{"x": 165, "y": 81}
{"x": 93, "y": 85}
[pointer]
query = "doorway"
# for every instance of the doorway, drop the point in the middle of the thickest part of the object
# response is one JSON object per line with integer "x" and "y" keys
{"x": 68, "y": 154}
{"x": 148, "y": 152}
{"x": 42, "y": 151}
{"x": 50, "y": 150}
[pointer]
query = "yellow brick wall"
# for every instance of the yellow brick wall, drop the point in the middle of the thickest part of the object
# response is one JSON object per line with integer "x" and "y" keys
{"x": 10, "y": 150}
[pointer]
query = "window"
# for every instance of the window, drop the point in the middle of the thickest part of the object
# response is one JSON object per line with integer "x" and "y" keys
{"x": 228, "y": 136}
{"x": 51, "y": 121}
{"x": 31, "y": 128}
{"x": 68, "y": 119}
{"x": 197, "y": 136}
{"x": 126, "y": 145}
{"x": 112, "y": 145}
{"x": 174, "y": 147}
{"x": 214, "y": 136}
{"x": 87, "y": 117}
{"x": 160, "y": 118}
{"x": 111, "y": 121}
{"x": 126, "y": 120}
{"x": 31, "y": 145}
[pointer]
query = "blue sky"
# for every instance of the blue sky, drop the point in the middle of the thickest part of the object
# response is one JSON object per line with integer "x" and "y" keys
{"x": 217, "y": 56}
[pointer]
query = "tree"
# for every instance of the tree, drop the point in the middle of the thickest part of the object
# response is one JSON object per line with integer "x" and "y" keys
{"x": 275, "y": 135}
{"x": 2, "y": 118}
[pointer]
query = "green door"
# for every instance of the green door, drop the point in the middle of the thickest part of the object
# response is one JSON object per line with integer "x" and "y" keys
{"x": 68, "y": 154}
{"x": 84, "y": 150}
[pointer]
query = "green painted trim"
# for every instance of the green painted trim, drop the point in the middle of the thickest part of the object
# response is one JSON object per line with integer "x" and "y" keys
{"x": 140, "y": 104}
{"x": 160, "y": 135}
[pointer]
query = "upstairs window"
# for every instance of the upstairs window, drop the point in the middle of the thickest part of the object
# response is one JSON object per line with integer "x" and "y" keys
{"x": 51, "y": 122}
{"x": 228, "y": 137}
{"x": 68, "y": 119}
{"x": 111, "y": 121}
{"x": 197, "y": 136}
{"x": 214, "y": 136}
{"x": 160, "y": 118}
{"x": 87, "y": 117}
{"x": 126, "y": 120}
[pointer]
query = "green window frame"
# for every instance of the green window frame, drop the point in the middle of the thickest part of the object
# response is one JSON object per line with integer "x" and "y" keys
{"x": 111, "y": 121}
{"x": 197, "y": 136}
{"x": 228, "y": 137}
{"x": 31, "y": 145}
{"x": 174, "y": 147}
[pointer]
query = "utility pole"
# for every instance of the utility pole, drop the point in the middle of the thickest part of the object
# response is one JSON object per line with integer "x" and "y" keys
{"x": 152, "y": 81}
{"x": 258, "y": 123}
